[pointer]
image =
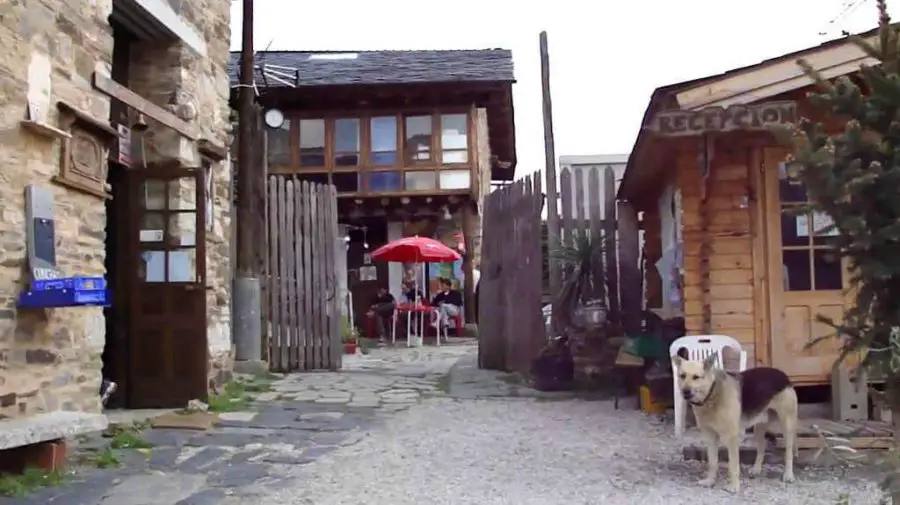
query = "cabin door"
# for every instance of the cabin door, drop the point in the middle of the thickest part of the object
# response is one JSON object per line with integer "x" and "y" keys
{"x": 168, "y": 346}
{"x": 805, "y": 278}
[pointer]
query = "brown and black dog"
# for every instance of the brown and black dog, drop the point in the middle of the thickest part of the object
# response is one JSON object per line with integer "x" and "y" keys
{"x": 726, "y": 404}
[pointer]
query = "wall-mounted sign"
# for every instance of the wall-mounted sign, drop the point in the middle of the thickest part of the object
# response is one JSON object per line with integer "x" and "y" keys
{"x": 753, "y": 117}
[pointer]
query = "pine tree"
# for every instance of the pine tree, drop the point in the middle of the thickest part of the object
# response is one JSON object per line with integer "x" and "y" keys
{"x": 854, "y": 177}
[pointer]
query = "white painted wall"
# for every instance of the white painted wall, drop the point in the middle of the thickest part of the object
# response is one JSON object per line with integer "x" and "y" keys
{"x": 582, "y": 166}
{"x": 395, "y": 270}
{"x": 340, "y": 266}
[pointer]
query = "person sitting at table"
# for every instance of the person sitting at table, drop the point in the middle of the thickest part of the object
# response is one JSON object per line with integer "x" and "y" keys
{"x": 446, "y": 303}
{"x": 382, "y": 307}
{"x": 411, "y": 293}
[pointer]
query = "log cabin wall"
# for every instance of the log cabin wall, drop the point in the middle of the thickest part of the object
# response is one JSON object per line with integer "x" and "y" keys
{"x": 728, "y": 232}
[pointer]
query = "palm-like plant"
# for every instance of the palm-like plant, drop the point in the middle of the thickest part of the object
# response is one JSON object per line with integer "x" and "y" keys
{"x": 584, "y": 279}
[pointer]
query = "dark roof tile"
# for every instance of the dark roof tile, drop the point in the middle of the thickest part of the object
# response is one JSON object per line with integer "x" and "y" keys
{"x": 331, "y": 68}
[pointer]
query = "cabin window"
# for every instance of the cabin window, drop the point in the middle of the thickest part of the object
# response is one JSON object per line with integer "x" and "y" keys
{"x": 381, "y": 182}
{"x": 455, "y": 179}
{"x": 312, "y": 142}
{"x": 278, "y": 144}
{"x": 383, "y": 140}
{"x": 454, "y": 138}
{"x": 346, "y": 142}
{"x": 418, "y": 139}
{"x": 346, "y": 182}
{"x": 419, "y": 180}
{"x": 809, "y": 262}
{"x": 416, "y": 151}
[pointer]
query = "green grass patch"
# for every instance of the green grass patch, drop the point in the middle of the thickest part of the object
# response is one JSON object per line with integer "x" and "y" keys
{"x": 233, "y": 398}
{"x": 30, "y": 480}
{"x": 106, "y": 458}
{"x": 128, "y": 438}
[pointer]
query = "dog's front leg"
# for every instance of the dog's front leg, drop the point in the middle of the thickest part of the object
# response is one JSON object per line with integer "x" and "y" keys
{"x": 712, "y": 457}
{"x": 733, "y": 443}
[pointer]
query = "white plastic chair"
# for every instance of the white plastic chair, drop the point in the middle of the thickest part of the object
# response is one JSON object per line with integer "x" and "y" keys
{"x": 700, "y": 347}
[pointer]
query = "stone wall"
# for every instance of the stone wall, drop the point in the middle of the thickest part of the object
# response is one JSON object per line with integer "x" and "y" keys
{"x": 49, "y": 359}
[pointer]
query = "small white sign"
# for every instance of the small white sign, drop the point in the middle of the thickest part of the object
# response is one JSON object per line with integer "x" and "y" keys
{"x": 821, "y": 223}
{"x": 152, "y": 235}
{"x": 802, "y": 226}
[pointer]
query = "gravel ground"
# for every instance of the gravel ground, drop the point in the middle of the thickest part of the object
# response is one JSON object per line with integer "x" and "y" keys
{"x": 527, "y": 451}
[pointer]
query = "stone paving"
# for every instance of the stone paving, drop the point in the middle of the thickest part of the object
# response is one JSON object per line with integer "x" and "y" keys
{"x": 250, "y": 454}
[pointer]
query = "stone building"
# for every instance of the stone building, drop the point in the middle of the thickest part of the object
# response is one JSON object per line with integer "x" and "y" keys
{"x": 116, "y": 123}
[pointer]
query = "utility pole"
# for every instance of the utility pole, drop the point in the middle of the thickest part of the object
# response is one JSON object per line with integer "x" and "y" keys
{"x": 246, "y": 296}
{"x": 550, "y": 173}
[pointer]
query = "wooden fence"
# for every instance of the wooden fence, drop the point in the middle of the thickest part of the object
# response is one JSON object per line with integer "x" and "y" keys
{"x": 589, "y": 208}
{"x": 510, "y": 327}
{"x": 303, "y": 312}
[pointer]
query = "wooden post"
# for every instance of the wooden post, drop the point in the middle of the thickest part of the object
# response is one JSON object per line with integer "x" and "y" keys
{"x": 550, "y": 167}
{"x": 247, "y": 305}
{"x": 704, "y": 162}
{"x": 468, "y": 230}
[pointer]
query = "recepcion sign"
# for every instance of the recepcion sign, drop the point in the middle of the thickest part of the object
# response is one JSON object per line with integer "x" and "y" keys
{"x": 752, "y": 117}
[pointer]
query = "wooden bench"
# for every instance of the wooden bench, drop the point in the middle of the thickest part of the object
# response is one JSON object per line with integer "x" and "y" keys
{"x": 39, "y": 440}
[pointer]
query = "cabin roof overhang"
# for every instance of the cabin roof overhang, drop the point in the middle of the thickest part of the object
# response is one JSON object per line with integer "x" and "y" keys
{"x": 745, "y": 85}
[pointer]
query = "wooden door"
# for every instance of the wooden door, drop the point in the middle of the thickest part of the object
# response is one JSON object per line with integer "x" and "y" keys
{"x": 805, "y": 278}
{"x": 360, "y": 266}
{"x": 168, "y": 353}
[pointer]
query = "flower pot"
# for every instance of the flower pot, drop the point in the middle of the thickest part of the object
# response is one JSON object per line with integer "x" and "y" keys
{"x": 350, "y": 347}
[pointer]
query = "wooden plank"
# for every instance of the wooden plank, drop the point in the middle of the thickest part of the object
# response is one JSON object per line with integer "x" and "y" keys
{"x": 308, "y": 322}
{"x": 566, "y": 210}
{"x": 580, "y": 225}
{"x": 318, "y": 288}
{"x": 272, "y": 272}
{"x": 630, "y": 286}
{"x": 334, "y": 239}
{"x": 298, "y": 359}
{"x": 595, "y": 199}
{"x": 284, "y": 277}
{"x": 106, "y": 85}
{"x": 860, "y": 443}
{"x": 609, "y": 244}
{"x": 330, "y": 279}
{"x": 291, "y": 284}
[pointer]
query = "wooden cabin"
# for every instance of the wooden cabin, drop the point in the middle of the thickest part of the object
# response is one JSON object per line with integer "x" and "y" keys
{"x": 714, "y": 187}
{"x": 412, "y": 141}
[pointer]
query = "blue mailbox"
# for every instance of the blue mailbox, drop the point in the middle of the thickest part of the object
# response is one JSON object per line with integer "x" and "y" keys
{"x": 48, "y": 287}
{"x": 65, "y": 292}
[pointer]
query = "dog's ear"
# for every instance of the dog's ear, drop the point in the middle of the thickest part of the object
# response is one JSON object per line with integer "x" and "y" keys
{"x": 677, "y": 360}
{"x": 710, "y": 361}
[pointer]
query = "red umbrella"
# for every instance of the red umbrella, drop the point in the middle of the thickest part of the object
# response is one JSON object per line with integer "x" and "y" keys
{"x": 415, "y": 250}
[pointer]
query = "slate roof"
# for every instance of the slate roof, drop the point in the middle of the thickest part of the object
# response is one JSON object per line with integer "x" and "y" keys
{"x": 385, "y": 67}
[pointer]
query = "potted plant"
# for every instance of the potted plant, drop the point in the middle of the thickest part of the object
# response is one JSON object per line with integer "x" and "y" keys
{"x": 582, "y": 262}
{"x": 350, "y": 338}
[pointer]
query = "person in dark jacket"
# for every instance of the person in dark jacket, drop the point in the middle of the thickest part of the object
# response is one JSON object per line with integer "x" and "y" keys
{"x": 447, "y": 303}
{"x": 381, "y": 308}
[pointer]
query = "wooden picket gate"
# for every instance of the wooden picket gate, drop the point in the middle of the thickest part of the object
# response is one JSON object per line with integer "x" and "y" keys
{"x": 510, "y": 327}
{"x": 304, "y": 327}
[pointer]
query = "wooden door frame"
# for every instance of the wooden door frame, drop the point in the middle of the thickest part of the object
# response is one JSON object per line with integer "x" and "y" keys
{"x": 134, "y": 181}
{"x": 763, "y": 327}
{"x": 767, "y": 297}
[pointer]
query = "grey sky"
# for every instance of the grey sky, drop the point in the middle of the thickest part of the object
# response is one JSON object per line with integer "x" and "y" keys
{"x": 606, "y": 57}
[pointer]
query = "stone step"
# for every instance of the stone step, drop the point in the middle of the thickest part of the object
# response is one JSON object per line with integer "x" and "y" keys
{"x": 48, "y": 426}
